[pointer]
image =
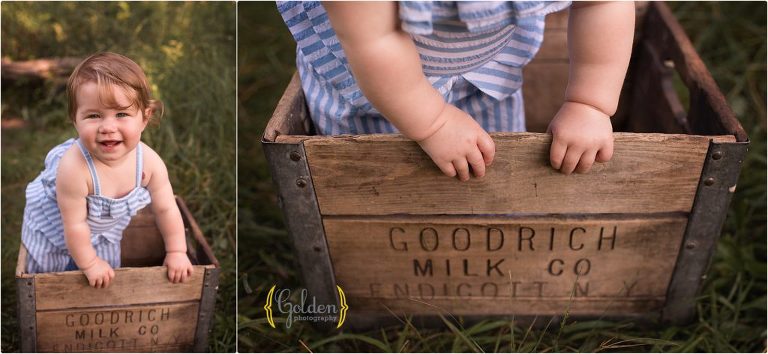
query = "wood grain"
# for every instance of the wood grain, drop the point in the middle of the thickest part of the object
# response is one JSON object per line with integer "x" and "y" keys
{"x": 290, "y": 116}
{"x": 142, "y": 243}
{"x": 512, "y": 264}
{"x": 709, "y": 111}
{"x": 131, "y": 286}
{"x": 159, "y": 327}
{"x": 543, "y": 92}
{"x": 387, "y": 174}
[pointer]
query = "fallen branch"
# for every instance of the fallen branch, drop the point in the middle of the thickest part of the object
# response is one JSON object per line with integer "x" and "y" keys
{"x": 56, "y": 69}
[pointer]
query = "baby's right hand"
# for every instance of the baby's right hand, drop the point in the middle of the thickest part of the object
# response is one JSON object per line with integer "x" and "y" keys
{"x": 99, "y": 273}
{"x": 458, "y": 144}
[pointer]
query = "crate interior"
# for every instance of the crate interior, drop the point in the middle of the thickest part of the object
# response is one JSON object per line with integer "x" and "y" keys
{"x": 667, "y": 88}
{"x": 142, "y": 244}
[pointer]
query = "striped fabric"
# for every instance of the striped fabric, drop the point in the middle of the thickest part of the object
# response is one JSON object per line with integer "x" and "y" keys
{"x": 472, "y": 52}
{"x": 43, "y": 231}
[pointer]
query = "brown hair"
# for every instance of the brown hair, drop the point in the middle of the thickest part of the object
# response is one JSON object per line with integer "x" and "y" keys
{"x": 107, "y": 69}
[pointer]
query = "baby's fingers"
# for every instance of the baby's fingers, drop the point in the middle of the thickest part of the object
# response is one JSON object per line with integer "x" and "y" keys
{"x": 571, "y": 159}
{"x": 475, "y": 159}
{"x": 462, "y": 169}
{"x": 186, "y": 274}
{"x": 447, "y": 169}
{"x": 171, "y": 275}
{"x": 557, "y": 153}
{"x": 487, "y": 148}
{"x": 587, "y": 159}
{"x": 606, "y": 153}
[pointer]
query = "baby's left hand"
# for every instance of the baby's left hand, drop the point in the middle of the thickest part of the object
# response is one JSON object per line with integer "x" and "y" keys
{"x": 179, "y": 267}
{"x": 581, "y": 135}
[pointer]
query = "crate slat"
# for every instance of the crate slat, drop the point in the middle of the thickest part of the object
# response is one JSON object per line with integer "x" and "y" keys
{"x": 382, "y": 175}
{"x": 621, "y": 258}
{"x": 131, "y": 286}
{"x": 135, "y": 328}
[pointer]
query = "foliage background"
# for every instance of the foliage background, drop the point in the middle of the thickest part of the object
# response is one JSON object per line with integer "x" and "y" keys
{"x": 187, "y": 50}
{"x": 730, "y": 37}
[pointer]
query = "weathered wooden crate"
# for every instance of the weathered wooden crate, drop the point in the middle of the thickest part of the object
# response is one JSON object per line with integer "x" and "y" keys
{"x": 631, "y": 239}
{"x": 141, "y": 311}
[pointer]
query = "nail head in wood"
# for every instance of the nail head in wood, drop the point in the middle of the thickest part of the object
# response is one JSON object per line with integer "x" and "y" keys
{"x": 717, "y": 155}
{"x": 709, "y": 181}
{"x": 301, "y": 182}
{"x": 295, "y": 156}
{"x": 690, "y": 245}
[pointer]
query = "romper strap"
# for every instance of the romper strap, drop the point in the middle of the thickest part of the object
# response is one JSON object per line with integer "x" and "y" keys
{"x": 139, "y": 164}
{"x": 91, "y": 168}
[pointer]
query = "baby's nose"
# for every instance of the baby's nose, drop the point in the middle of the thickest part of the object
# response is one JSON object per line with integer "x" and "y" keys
{"x": 107, "y": 126}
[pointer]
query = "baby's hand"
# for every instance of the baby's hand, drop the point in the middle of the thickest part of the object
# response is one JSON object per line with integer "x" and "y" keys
{"x": 99, "y": 273}
{"x": 179, "y": 266}
{"x": 458, "y": 144}
{"x": 581, "y": 135}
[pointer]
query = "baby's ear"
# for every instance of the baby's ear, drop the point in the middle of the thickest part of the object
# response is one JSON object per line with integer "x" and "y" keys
{"x": 148, "y": 113}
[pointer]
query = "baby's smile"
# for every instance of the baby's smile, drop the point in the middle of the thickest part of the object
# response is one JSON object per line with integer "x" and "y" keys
{"x": 109, "y": 145}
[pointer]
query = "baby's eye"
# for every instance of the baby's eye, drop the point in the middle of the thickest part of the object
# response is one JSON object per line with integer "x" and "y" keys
{"x": 122, "y": 115}
{"x": 92, "y": 116}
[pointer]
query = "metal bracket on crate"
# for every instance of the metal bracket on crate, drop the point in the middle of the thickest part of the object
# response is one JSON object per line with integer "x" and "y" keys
{"x": 206, "y": 311}
{"x": 296, "y": 193}
{"x": 27, "y": 319}
{"x": 710, "y": 206}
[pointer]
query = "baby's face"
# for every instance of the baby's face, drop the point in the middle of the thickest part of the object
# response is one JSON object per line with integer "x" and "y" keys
{"x": 109, "y": 133}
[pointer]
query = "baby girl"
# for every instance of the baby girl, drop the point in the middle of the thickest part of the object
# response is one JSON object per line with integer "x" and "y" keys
{"x": 78, "y": 207}
{"x": 446, "y": 73}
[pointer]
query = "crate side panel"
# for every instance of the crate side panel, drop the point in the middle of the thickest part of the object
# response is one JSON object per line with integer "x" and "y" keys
{"x": 25, "y": 306}
{"x": 385, "y": 175}
{"x": 506, "y": 265}
{"x": 709, "y": 111}
{"x": 296, "y": 196}
{"x": 546, "y": 76}
{"x": 130, "y": 286}
{"x": 545, "y": 85}
{"x": 290, "y": 116}
{"x": 207, "y": 308}
{"x": 718, "y": 183}
{"x": 142, "y": 243}
{"x": 159, "y": 327}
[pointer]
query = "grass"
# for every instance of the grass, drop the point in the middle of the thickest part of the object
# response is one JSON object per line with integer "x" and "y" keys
{"x": 188, "y": 53}
{"x": 731, "y": 308}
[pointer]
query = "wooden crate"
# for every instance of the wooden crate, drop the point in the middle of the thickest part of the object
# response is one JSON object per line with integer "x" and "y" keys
{"x": 141, "y": 311}
{"x": 631, "y": 239}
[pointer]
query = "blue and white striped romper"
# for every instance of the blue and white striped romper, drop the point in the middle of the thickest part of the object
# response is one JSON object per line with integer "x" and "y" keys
{"x": 473, "y": 53}
{"x": 43, "y": 231}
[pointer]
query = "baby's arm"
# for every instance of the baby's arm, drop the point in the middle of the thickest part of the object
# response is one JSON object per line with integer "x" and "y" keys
{"x": 386, "y": 66}
{"x": 599, "y": 45}
{"x": 168, "y": 218}
{"x": 71, "y": 191}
